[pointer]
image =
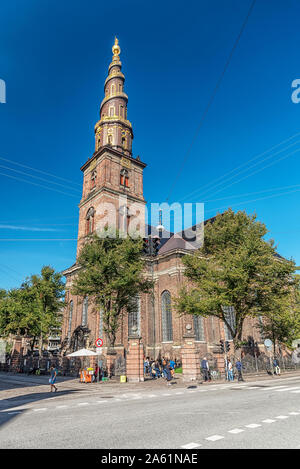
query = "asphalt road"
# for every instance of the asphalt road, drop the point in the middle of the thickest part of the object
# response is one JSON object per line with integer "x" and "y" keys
{"x": 264, "y": 414}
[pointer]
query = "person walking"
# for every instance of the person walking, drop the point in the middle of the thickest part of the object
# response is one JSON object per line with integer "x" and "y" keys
{"x": 230, "y": 370}
{"x": 52, "y": 380}
{"x": 276, "y": 366}
{"x": 169, "y": 374}
{"x": 239, "y": 366}
{"x": 205, "y": 369}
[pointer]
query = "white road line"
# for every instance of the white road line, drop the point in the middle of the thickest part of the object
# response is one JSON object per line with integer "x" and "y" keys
{"x": 82, "y": 403}
{"x": 272, "y": 388}
{"x": 253, "y": 425}
{"x": 236, "y": 430}
{"x": 61, "y": 406}
{"x": 151, "y": 395}
{"x": 288, "y": 389}
{"x": 179, "y": 392}
{"x": 282, "y": 417}
{"x": 214, "y": 438}
{"x": 40, "y": 409}
{"x": 294, "y": 413}
{"x": 268, "y": 421}
{"x": 191, "y": 446}
{"x": 101, "y": 402}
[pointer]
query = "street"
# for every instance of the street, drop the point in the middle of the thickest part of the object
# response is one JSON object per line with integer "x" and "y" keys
{"x": 256, "y": 414}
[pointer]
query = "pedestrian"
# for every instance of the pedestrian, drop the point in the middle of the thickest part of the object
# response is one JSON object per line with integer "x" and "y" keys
{"x": 157, "y": 369}
{"x": 239, "y": 366}
{"x": 53, "y": 374}
{"x": 205, "y": 369}
{"x": 146, "y": 366}
{"x": 169, "y": 374}
{"x": 276, "y": 366}
{"x": 230, "y": 370}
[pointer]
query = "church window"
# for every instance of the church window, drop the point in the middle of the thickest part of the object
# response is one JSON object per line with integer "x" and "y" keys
{"x": 166, "y": 312}
{"x": 198, "y": 327}
{"x": 113, "y": 89}
{"x": 70, "y": 319}
{"x": 111, "y": 111}
{"x": 120, "y": 87}
{"x": 84, "y": 311}
{"x": 93, "y": 178}
{"x": 134, "y": 317}
{"x": 109, "y": 139}
{"x": 124, "y": 178}
{"x": 90, "y": 220}
{"x": 229, "y": 315}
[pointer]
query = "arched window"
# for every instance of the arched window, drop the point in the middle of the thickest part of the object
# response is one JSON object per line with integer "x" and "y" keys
{"x": 93, "y": 178}
{"x": 229, "y": 315}
{"x": 109, "y": 139}
{"x": 70, "y": 319}
{"x": 134, "y": 317}
{"x": 198, "y": 327}
{"x": 85, "y": 311}
{"x": 124, "y": 178}
{"x": 90, "y": 220}
{"x": 113, "y": 89}
{"x": 166, "y": 314}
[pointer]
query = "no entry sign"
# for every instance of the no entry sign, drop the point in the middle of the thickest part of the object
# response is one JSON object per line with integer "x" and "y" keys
{"x": 99, "y": 342}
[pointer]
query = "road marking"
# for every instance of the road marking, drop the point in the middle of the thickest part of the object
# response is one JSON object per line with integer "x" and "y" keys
{"x": 191, "y": 446}
{"x": 214, "y": 437}
{"x": 179, "y": 392}
{"x": 166, "y": 394}
{"x": 40, "y": 409}
{"x": 294, "y": 413}
{"x": 101, "y": 402}
{"x": 61, "y": 406}
{"x": 236, "y": 430}
{"x": 253, "y": 425}
{"x": 271, "y": 388}
{"x": 288, "y": 389}
{"x": 282, "y": 417}
{"x": 268, "y": 421}
{"x": 82, "y": 403}
{"x": 151, "y": 395}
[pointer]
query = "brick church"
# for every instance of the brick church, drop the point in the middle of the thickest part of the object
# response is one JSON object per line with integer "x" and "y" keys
{"x": 112, "y": 174}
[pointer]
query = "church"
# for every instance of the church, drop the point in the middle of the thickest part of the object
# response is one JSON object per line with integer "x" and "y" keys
{"x": 113, "y": 174}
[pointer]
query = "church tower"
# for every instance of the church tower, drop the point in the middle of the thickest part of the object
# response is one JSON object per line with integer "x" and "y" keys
{"x": 112, "y": 193}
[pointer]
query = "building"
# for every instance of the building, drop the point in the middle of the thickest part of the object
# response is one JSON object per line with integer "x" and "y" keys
{"x": 109, "y": 176}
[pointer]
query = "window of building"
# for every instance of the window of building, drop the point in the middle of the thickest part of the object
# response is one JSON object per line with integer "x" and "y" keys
{"x": 93, "y": 178}
{"x": 70, "y": 319}
{"x": 198, "y": 327}
{"x": 113, "y": 89}
{"x": 111, "y": 111}
{"x": 120, "y": 87}
{"x": 110, "y": 139}
{"x": 229, "y": 315}
{"x": 166, "y": 312}
{"x": 90, "y": 221}
{"x": 124, "y": 178}
{"x": 134, "y": 317}
{"x": 85, "y": 311}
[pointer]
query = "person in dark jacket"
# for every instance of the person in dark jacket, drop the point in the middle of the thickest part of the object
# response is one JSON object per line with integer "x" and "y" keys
{"x": 205, "y": 369}
{"x": 169, "y": 374}
{"x": 239, "y": 366}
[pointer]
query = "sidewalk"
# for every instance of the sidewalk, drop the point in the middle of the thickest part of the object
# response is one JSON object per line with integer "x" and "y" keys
{"x": 17, "y": 384}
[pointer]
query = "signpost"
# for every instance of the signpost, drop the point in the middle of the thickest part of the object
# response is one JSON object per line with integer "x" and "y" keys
{"x": 268, "y": 344}
{"x": 99, "y": 343}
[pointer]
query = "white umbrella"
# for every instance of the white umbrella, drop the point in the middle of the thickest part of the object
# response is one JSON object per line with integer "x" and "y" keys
{"x": 82, "y": 353}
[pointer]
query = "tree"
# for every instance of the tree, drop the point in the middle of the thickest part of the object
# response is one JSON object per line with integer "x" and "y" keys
{"x": 111, "y": 275}
{"x": 34, "y": 308}
{"x": 282, "y": 326}
{"x": 236, "y": 267}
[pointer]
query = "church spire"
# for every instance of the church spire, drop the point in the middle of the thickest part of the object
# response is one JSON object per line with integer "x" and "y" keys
{"x": 113, "y": 128}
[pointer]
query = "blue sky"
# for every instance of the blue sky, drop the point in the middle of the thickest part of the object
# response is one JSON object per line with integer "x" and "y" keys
{"x": 54, "y": 58}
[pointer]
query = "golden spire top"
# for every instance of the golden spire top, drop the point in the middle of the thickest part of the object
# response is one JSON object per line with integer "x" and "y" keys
{"x": 116, "y": 48}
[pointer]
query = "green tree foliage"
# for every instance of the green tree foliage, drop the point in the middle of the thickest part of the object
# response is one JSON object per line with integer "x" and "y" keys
{"x": 236, "y": 267}
{"x": 34, "y": 308}
{"x": 111, "y": 275}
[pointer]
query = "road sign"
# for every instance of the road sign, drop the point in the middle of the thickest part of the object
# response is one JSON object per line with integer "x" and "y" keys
{"x": 99, "y": 342}
{"x": 268, "y": 343}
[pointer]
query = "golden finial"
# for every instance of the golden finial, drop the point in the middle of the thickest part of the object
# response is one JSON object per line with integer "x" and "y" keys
{"x": 116, "y": 48}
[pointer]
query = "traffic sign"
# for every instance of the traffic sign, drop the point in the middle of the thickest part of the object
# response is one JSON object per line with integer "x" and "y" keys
{"x": 99, "y": 342}
{"x": 268, "y": 343}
